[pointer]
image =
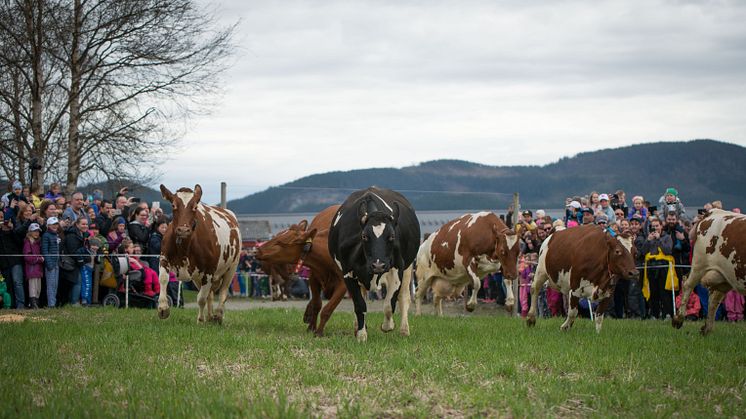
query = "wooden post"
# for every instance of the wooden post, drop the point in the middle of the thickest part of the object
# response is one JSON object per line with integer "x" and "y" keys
{"x": 223, "y": 198}
{"x": 516, "y": 214}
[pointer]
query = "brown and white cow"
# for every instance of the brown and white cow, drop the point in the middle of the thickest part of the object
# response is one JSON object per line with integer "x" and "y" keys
{"x": 583, "y": 261}
{"x": 461, "y": 253}
{"x": 287, "y": 247}
{"x": 202, "y": 245}
{"x": 718, "y": 262}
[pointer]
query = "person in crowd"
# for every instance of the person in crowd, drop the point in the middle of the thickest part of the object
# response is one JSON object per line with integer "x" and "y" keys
{"x": 50, "y": 250}
{"x": 526, "y": 269}
{"x": 529, "y": 243}
{"x": 619, "y": 201}
{"x": 638, "y": 207}
{"x": 48, "y": 210}
{"x": 5, "y": 298}
{"x": 658, "y": 243}
{"x": 681, "y": 244}
{"x": 588, "y": 217}
{"x": 138, "y": 229}
{"x": 32, "y": 198}
{"x": 558, "y": 225}
{"x": 76, "y": 210}
{"x": 150, "y": 277}
{"x": 603, "y": 221}
{"x": 92, "y": 259}
{"x": 105, "y": 217}
{"x": 733, "y": 303}
{"x": 619, "y": 215}
{"x": 54, "y": 192}
{"x": 693, "y": 306}
{"x": 154, "y": 243}
{"x": 623, "y": 225}
{"x": 11, "y": 263}
{"x": 540, "y": 217}
{"x": 670, "y": 202}
{"x": 594, "y": 202}
{"x": 717, "y": 204}
{"x": 76, "y": 251}
{"x": 635, "y": 300}
{"x": 525, "y": 223}
{"x": 117, "y": 234}
{"x": 13, "y": 201}
{"x": 606, "y": 208}
{"x": 33, "y": 264}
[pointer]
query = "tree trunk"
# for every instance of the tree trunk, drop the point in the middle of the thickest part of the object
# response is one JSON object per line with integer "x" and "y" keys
{"x": 38, "y": 148}
{"x": 73, "y": 133}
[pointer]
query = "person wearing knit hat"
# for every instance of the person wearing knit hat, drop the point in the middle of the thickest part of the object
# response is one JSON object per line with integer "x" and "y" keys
{"x": 117, "y": 233}
{"x": 670, "y": 202}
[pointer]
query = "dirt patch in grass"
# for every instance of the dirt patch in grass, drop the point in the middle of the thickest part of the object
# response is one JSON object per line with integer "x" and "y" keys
{"x": 12, "y": 318}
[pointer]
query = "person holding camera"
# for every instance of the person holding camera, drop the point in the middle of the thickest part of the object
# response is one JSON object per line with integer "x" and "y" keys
{"x": 606, "y": 208}
{"x": 619, "y": 202}
{"x": 680, "y": 240}
{"x": 656, "y": 247}
{"x": 525, "y": 223}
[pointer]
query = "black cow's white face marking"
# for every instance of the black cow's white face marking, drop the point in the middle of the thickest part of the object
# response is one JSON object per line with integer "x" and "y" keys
{"x": 379, "y": 239}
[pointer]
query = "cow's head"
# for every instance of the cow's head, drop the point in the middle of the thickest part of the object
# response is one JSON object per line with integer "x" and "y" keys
{"x": 287, "y": 246}
{"x": 507, "y": 248}
{"x": 184, "y": 203}
{"x": 621, "y": 256}
{"x": 380, "y": 238}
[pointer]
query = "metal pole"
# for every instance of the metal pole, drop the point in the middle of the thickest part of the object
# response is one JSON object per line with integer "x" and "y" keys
{"x": 223, "y": 198}
{"x": 178, "y": 294}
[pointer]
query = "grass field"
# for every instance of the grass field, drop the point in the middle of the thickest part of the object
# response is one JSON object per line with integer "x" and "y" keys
{"x": 97, "y": 362}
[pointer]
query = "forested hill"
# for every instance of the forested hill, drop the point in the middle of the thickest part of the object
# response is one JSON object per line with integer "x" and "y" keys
{"x": 702, "y": 171}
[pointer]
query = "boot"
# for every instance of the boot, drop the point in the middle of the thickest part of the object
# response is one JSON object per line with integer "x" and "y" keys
{"x": 34, "y": 303}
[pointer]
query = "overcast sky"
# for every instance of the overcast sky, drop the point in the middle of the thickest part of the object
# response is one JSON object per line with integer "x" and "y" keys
{"x": 337, "y": 85}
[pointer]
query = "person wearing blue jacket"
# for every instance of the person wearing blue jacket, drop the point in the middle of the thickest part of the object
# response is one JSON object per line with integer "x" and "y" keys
{"x": 50, "y": 249}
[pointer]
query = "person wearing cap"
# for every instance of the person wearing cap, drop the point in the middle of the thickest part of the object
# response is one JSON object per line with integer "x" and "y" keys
{"x": 14, "y": 198}
{"x": 525, "y": 223}
{"x": 603, "y": 221}
{"x": 573, "y": 214}
{"x": 588, "y": 217}
{"x": 50, "y": 250}
{"x": 606, "y": 209}
{"x": 670, "y": 202}
{"x": 33, "y": 264}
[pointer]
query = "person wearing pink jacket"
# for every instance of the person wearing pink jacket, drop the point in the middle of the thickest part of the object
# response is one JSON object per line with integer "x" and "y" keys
{"x": 33, "y": 263}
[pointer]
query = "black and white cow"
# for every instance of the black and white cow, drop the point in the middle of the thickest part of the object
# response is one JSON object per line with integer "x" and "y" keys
{"x": 374, "y": 239}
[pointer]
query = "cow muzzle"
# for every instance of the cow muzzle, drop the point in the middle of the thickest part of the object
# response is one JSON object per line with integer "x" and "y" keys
{"x": 632, "y": 274}
{"x": 378, "y": 267}
{"x": 182, "y": 232}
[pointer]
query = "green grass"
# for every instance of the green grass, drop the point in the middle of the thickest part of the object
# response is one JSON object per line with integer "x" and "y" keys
{"x": 262, "y": 363}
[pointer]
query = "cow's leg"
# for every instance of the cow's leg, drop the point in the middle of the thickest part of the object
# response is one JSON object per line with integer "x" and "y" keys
{"x": 405, "y": 299}
{"x": 360, "y": 308}
{"x": 686, "y": 290}
{"x": 210, "y": 300}
{"x": 217, "y": 316}
{"x": 202, "y": 296}
{"x": 331, "y": 305}
{"x": 539, "y": 279}
{"x": 476, "y": 283}
{"x": 600, "y": 310}
{"x": 438, "y": 304}
{"x": 163, "y": 309}
{"x": 509, "y": 296}
{"x": 716, "y": 297}
{"x": 572, "y": 312}
{"x": 314, "y": 305}
{"x": 392, "y": 289}
{"x": 423, "y": 284}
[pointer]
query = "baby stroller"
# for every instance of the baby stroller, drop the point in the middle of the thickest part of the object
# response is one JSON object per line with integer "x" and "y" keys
{"x": 126, "y": 286}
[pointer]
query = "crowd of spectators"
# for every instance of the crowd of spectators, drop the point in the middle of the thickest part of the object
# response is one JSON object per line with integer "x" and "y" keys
{"x": 662, "y": 235}
{"x": 52, "y": 249}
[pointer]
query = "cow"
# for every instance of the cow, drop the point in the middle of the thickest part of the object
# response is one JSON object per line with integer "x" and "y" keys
{"x": 584, "y": 261}
{"x": 290, "y": 247}
{"x": 461, "y": 253}
{"x": 202, "y": 244}
{"x": 718, "y": 262}
{"x": 374, "y": 239}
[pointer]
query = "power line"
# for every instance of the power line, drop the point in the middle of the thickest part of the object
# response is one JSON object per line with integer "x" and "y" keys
{"x": 326, "y": 188}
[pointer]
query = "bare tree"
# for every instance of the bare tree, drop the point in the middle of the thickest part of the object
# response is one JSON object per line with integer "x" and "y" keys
{"x": 99, "y": 86}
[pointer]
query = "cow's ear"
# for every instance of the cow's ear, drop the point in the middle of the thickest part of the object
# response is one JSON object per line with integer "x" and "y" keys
{"x": 395, "y": 213}
{"x": 362, "y": 213}
{"x": 166, "y": 194}
{"x": 303, "y": 225}
{"x": 197, "y": 193}
{"x": 310, "y": 235}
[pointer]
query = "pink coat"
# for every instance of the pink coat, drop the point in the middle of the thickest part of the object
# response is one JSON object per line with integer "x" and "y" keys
{"x": 33, "y": 265}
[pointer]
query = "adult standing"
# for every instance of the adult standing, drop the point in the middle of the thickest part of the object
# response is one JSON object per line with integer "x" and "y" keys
{"x": 75, "y": 210}
{"x": 76, "y": 251}
{"x": 105, "y": 217}
{"x": 10, "y": 261}
{"x": 139, "y": 230}
{"x": 658, "y": 243}
{"x": 50, "y": 249}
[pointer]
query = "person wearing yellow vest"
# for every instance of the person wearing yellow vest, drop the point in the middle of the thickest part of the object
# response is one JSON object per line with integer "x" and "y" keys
{"x": 659, "y": 264}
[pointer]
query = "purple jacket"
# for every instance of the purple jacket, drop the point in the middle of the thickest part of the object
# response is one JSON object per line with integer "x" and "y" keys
{"x": 33, "y": 265}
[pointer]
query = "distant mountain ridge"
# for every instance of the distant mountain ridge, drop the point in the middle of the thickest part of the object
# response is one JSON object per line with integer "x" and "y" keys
{"x": 702, "y": 171}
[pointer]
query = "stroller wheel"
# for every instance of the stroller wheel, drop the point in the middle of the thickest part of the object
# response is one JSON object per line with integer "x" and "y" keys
{"x": 110, "y": 300}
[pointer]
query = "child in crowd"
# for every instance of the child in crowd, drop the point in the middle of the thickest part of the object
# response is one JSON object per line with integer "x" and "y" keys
{"x": 733, "y": 303}
{"x": 693, "y": 306}
{"x": 638, "y": 207}
{"x": 33, "y": 263}
{"x": 50, "y": 250}
{"x": 526, "y": 269}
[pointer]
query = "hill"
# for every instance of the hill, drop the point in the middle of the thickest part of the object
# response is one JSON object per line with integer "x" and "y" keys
{"x": 702, "y": 170}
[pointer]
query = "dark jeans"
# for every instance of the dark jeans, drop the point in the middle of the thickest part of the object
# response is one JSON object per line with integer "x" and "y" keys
{"x": 620, "y": 298}
{"x": 14, "y": 280}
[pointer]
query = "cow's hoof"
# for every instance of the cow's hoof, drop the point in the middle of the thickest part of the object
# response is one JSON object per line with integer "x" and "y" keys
{"x": 217, "y": 319}
{"x": 704, "y": 331}
{"x": 530, "y": 321}
{"x": 362, "y": 335}
{"x": 677, "y": 322}
{"x": 163, "y": 313}
{"x": 404, "y": 331}
{"x": 319, "y": 333}
{"x": 470, "y": 307}
{"x": 387, "y": 326}
{"x": 509, "y": 308}
{"x": 564, "y": 328}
